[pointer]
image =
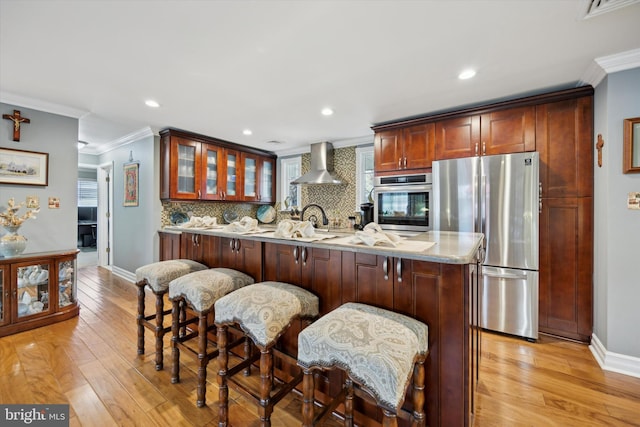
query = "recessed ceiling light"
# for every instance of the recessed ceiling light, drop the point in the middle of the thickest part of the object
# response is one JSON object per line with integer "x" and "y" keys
{"x": 467, "y": 74}
{"x": 247, "y": 132}
{"x": 327, "y": 111}
{"x": 151, "y": 103}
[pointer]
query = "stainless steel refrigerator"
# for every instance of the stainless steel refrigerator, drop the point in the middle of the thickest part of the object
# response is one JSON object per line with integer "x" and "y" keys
{"x": 498, "y": 196}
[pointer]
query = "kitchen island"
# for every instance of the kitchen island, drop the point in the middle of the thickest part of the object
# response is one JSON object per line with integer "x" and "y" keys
{"x": 437, "y": 286}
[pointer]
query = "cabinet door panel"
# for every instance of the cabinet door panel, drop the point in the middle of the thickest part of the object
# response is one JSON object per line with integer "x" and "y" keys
{"x": 387, "y": 151}
{"x": 566, "y": 248}
{"x": 564, "y": 132}
{"x": 322, "y": 275}
{"x": 267, "y": 174}
{"x": 458, "y": 137}
{"x": 282, "y": 263}
{"x": 508, "y": 131}
{"x": 233, "y": 177}
{"x": 249, "y": 258}
{"x": 212, "y": 171}
{"x": 185, "y": 169}
{"x": 250, "y": 177}
{"x": 373, "y": 286}
{"x": 4, "y": 295}
{"x": 419, "y": 146}
{"x": 169, "y": 246}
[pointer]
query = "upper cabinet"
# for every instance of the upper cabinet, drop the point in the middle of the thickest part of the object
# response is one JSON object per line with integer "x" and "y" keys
{"x": 499, "y": 132}
{"x": 194, "y": 167}
{"x": 404, "y": 149}
{"x": 258, "y": 178}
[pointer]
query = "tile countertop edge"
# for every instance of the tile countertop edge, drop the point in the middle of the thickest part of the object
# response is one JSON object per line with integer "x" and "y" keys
{"x": 450, "y": 248}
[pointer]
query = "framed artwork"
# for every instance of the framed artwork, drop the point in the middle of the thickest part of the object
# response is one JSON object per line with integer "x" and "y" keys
{"x": 131, "y": 184}
{"x": 631, "y": 156}
{"x": 24, "y": 167}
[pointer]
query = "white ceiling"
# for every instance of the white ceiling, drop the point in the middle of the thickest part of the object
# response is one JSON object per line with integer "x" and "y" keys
{"x": 218, "y": 67}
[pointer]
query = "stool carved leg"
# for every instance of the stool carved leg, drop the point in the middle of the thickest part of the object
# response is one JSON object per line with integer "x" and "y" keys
{"x": 348, "y": 403}
{"x": 159, "y": 330}
{"x": 389, "y": 419}
{"x": 176, "y": 311}
{"x": 223, "y": 394}
{"x": 202, "y": 360}
{"x": 266, "y": 384}
{"x": 247, "y": 355}
{"x": 140, "y": 317}
{"x": 308, "y": 387}
{"x": 418, "y": 394}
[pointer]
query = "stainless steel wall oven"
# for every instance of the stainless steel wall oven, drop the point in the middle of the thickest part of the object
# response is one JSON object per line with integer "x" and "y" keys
{"x": 401, "y": 202}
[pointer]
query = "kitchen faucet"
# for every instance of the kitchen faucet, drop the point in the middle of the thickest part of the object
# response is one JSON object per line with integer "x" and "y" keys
{"x": 325, "y": 220}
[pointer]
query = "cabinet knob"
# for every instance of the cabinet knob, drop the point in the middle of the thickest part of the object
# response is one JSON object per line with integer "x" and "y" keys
{"x": 295, "y": 254}
{"x": 232, "y": 244}
{"x": 304, "y": 256}
{"x": 476, "y": 148}
{"x": 399, "y": 269}
{"x": 237, "y": 245}
{"x": 405, "y": 162}
{"x": 399, "y": 163}
{"x": 484, "y": 148}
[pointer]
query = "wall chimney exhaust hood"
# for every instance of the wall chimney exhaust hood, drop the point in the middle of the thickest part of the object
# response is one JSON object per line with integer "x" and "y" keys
{"x": 321, "y": 166}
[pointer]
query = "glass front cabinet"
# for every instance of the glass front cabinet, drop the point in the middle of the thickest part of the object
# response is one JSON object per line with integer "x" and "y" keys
{"x": 37, "y": 289}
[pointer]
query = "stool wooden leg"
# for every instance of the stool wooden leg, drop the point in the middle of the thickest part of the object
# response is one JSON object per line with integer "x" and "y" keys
{"x": 223, "y": 395}
{"x": 176, "y": 312}
{"x": 183, "y": 317}
{"x": 266, "y": 384}
{"x": 140, "y": 317}
{"x": 247, "y": 355}
{"x": 389, "y": 419}
{"x": 202, "y": 360}
{"x": 308, "y": 388}
{"x": 348, "y": 403}
{"x": 159, "y": 330}
{"x": 418, "y": 395}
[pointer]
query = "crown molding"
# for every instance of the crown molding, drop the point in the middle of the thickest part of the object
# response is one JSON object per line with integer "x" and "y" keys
{"x": 120, "y": 142}
{"x": 40, "y": 105}
{"x": 604, "y": 65}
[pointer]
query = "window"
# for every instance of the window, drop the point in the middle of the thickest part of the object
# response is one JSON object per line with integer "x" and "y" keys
{"x": 291, "y": 169}
{"x": 87, "y": 193}
{"x": 364, "y": 174}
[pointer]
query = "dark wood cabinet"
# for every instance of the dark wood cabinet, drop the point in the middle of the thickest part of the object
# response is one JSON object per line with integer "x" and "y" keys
{"x": 564, "y": 132}
{"x": 196, "y": 167}
{"x": 566, "y": 267}
{"x": 498, "y": 132}
{"x": 242, "y": 255}
{"x": 258, "y": 178}
{"x": 169, "y": 244}
{"x": 407, "y": 149}
{"x": 564, "y": 135}
{"x": 37, "y": 289}
{"x": 202, "y": 248}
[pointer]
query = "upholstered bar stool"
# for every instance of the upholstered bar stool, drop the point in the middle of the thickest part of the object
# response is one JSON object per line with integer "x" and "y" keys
{"x": 157, "y": 276}
{"x": 263, "y": 311}
{"x": 199, "y": 291}
{"x": 379, "y": 350}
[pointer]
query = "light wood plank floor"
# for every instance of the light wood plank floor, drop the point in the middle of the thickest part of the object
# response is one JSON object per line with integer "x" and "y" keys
{"x": 90, "y": 362}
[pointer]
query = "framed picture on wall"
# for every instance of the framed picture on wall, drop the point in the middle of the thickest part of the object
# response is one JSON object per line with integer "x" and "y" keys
{"x": 131, "y": 184}
{"x": 23, "y": 167}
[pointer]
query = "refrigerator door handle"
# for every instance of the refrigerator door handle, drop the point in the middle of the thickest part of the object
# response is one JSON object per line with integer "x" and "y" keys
{"x": 499, "y": 272}
{"x": 483, "y": 203}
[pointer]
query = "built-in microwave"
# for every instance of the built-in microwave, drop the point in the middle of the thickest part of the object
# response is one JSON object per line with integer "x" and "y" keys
{"x": 401, "y": 202}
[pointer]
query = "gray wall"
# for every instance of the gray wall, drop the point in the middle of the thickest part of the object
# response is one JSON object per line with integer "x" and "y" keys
{"x": 53, "y": 229}
{"x": 135, "y": 240}
{"x": 617, "y": 229}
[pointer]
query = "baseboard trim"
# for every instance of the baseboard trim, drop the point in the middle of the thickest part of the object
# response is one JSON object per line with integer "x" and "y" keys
{"x": 614, "y": 362}
{"x": 124, "y": 274}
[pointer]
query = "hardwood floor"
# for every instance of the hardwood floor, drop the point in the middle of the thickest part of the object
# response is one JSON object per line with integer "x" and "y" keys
{"x": 90, "y": 362}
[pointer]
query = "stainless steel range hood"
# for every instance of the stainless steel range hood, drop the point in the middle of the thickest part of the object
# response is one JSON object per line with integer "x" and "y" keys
{"x": 321, "y": 166}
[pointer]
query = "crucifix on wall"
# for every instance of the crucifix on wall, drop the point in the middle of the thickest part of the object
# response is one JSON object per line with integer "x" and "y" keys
{"x": 17, "y": 120}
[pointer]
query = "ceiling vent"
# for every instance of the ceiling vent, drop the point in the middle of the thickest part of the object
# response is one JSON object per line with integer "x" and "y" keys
{"x": 598, "y": 7}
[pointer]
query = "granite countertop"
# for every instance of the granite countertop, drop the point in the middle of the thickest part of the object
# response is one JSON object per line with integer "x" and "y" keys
{"x": 446, "y": 247}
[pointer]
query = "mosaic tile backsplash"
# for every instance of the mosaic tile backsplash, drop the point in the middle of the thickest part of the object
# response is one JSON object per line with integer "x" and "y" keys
{"x": 338, "y": 201}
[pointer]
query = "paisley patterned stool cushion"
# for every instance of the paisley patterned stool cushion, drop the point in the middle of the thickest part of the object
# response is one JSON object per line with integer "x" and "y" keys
{"x": 202, "y": 289}
{"x": 264, "y": 310}
{"x": 377, "y": 348}
{"x": 199, "y": 291}
{"x": 157, "y": 276}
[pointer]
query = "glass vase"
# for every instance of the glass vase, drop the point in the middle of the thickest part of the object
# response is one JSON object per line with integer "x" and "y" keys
{"x": 12, "y": 244}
